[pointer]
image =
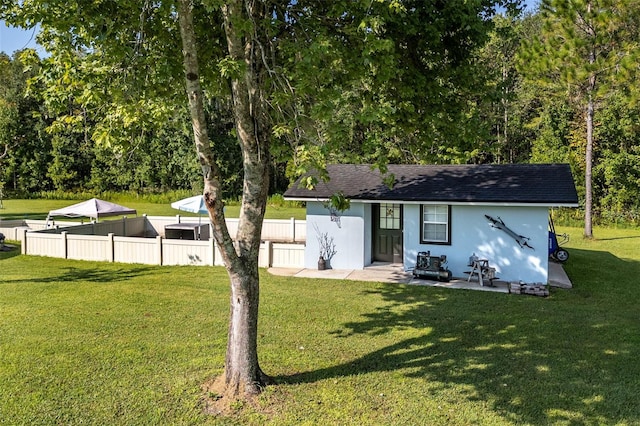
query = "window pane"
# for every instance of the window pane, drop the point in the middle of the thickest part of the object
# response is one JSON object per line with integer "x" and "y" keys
{"x": 396, "y": 223}
{"x": 435, "y": 223}
{"x": 389, "y": 216}
{"x": 435, "y": 232}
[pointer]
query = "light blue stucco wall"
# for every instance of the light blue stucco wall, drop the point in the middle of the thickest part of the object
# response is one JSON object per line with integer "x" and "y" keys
{"x": 471, "y": 233}
{"x": 353, "y": 245}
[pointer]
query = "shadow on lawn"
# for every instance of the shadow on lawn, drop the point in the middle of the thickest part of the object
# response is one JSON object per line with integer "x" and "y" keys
{"x": 93, "y": 275}
{"x": 105, "y": 276}
{"x": 619, "y": 238}
{"x": 9, "y": 251}
{"x": 537, "y": 361}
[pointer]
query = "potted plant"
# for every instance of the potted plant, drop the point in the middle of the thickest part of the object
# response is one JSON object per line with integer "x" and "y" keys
{"x": 327, "y": 249}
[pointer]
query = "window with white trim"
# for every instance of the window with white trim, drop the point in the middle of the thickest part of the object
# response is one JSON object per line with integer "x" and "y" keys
{"x": 436, "y": 224}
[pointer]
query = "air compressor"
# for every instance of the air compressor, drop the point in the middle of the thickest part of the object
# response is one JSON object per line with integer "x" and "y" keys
{"x": 433, "y": 267}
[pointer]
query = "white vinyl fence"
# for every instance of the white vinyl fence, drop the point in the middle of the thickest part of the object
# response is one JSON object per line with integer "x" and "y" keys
{"x": 289, "y": 230}
{"x": 12, "y": 229}
{"x": 109, "y": 241}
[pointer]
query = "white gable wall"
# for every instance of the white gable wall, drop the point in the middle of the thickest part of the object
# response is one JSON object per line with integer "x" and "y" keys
{"x": 471, "y": 233}
{"x": 353, "y": 243}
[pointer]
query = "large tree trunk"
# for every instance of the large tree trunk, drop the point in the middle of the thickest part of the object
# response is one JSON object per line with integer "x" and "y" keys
{"x": 242, "y": 372}
{"x": 242, "y": 376}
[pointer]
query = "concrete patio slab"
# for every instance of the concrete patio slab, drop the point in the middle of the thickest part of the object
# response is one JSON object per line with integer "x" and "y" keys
{"x": 395, "y": 273}
{"x": 558, "y": 277}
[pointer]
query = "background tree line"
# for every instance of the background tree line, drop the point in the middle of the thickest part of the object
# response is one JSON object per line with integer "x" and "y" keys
{"x": 53, "y": 143}
{"x": 57, "y": 134}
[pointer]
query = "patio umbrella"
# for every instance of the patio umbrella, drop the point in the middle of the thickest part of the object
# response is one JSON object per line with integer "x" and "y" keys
{"x": 192, "y": 205}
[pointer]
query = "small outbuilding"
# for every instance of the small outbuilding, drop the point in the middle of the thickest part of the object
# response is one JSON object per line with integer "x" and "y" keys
{"x": 495, "y": 212}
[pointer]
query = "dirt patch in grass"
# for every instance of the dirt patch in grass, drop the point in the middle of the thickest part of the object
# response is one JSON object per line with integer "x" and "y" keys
{"x": 219, "y": 401}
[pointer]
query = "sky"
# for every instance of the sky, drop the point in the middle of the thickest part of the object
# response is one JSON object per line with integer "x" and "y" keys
{"x": 12, "y": 39}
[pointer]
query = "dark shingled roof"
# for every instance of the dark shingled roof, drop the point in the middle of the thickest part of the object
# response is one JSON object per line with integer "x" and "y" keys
{"x": 546, "y": 184}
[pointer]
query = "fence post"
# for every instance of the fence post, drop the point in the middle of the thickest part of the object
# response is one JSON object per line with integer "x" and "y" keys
{"x": 212, "y": 247}
{"x": 270, "y": 251}
{"x": 23, "y": 249}
{"x": 112, "y": 248}
{"x": 267, "y": 258}
{"x": 63, "y": 235}
{"x": 159, "y": 249}
{"x": 293, "y": 229}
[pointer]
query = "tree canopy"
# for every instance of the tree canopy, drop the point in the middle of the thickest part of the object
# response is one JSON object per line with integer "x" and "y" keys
{"x": 332, "y": 100}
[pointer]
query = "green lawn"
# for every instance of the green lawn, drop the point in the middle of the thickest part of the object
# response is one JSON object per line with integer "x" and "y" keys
{"x": 38, "y": 209}
{"x": 99, "y": 343}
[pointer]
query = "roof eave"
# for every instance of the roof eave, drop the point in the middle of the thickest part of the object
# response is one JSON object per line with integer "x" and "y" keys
{"x": 449, "y": 202}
